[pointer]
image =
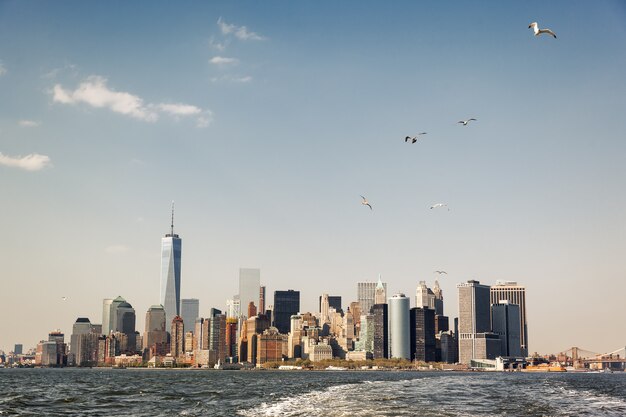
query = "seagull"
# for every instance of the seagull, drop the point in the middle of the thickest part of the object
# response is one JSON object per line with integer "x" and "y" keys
{"x": 438, "y": 205}
{"x": 540, "y": 31}
{"x": 64, "y": 298}
{"x": 414, "y": 138}
{"x": 465, "y": 122}
{"x": 441, "y": 272}
{"x": 366, "y": 203}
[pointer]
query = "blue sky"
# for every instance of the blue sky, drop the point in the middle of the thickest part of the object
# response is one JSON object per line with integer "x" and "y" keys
{"x": 266, "y": 121}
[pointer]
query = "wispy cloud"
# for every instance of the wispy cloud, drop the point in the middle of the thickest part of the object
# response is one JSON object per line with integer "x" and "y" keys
{"x": 214, "y": 44}
{"x": 31, "y": 162}
{"x": 240, "y": 32}
{"x": 28, "y": 123}
{"x": 220, "y": 60}
{"x": 232, "y": 79}
{"x": 116, "y": 249}
{"x": 205, "y": 120}
{"x": 94, "y": 91}
{"x": 3, "y": 69}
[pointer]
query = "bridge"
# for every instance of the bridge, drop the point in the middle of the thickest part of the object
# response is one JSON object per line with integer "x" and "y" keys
{"x": 581, "y": 358}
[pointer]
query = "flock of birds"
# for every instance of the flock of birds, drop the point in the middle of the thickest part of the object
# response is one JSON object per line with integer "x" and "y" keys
{"x": 413, "y": 139}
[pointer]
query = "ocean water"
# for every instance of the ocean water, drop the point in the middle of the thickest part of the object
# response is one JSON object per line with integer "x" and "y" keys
{"x": 128, "y": 392}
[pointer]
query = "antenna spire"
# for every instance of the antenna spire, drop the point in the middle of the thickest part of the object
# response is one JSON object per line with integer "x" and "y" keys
{"x": 172, "y": 218}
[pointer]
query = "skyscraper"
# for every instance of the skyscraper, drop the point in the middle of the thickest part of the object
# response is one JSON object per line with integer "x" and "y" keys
{"x": 106, "y": 316}
{"x": 326, "y": 301}
{"x": 438, "y": 299}
{"x": 155, "y": 330}
{"x": 515, "y": 294}
{"x": 125, "y": 323}
{"x": 171, "y": 247}
{"x": 422, "y": 335}
{"x": 262, "y": 297}
{"x": 424, "y": 296}
{"x": 249, "y": 287}
{"x": 475, "y": 338}
{"x": 177, "y": 340}
{"x": 399, "y": 331}
{"x": 505, "y": 319}
{"x": 380, "y": 294}
{"x": 286, "y": 304}
{"x": 366, "y": 294}
{"x": 381, "y": 330}
{"x": 190, "y": 311}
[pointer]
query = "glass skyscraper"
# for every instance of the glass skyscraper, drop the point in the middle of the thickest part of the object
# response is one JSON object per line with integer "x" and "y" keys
{"x": 249, "y": 288}
{"x": 286, "y": 304}
{"x": 171, "y": 246}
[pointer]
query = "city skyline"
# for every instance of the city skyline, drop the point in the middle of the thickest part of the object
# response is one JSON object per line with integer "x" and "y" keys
{"x": 265, "y": 123}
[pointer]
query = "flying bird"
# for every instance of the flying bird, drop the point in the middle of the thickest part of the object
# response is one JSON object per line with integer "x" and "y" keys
{"x": 465, "y": 122}
{"x": 540, "y": 31}
{"x": 439, "y": 205}
{"x": 414, "y": 138}
{"x": 366, "y": 203}
{"x": 441, "y": 272}
{"x": 64, "y": 298}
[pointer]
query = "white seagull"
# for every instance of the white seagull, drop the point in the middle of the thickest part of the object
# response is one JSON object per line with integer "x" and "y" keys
{"x": 441, "y": 272}
{"x": 465, "y": 122}
{"x": 540, "y": 31}
{"x": 64, "y": 298}
{"x": 439, "y": 205}
{"x": 366, "y": 203}
{"x": 414, "y": 138}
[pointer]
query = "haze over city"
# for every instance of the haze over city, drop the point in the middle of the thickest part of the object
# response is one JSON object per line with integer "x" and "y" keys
{"x": 267, "y": 122}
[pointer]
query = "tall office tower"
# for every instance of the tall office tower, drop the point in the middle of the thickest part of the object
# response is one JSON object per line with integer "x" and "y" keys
{"x": 251, "y": 309}
{"x": 286, "y": 304}
{"x": 515, "y": 294}
{"x": 333, "y": 301}
{"x": 198, "y": 334}
{"x": 262, "y": 298}
{"x": 399, "y": 331}
{"x": 366, "y": 294}
{"x": 217, "y": 338}
{"x": 106, "y": 316}
{"x": 188, "y": 341}
{"x": 18, "y": 349}
{"x": 505, "y": 319}
{"x": 366, "y": 335}
{"x": 380, "y": 294}
{"x": 171, "y": 248}
{"x": 84, "y": 346}
{"x": 233, "y": 308}
{"x": 380, "y": 312}
{"x": 125, "y": 323}
{"x": 294, "y": 340}
{"x": 438, "y": 299}
{"x": 155, "y": 333}
{"x": 189, "y": 311}
{"x": 422, "y": 335}
{"x": 177, "y": 338}
{"x": 441, "y": 323}
{"x": 324, "y": 306}
{"x": 231, "y": 338}
{"x": 249, "y": 287}
{"x": 424, "y": 296}
{"x": 475, "y": 338}
{"x": 447, "y": 347}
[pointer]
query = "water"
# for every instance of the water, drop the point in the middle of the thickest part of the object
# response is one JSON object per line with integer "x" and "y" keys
{"x": 127, "y": 392}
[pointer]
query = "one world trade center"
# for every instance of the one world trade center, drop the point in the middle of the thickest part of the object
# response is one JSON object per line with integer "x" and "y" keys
{"x": 170, "y": 273}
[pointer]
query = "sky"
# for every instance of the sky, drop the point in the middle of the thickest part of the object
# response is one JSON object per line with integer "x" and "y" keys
{"x": 266, "y": 121}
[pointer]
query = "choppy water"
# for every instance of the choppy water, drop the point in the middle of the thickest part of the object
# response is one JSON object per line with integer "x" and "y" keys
{"x": 101, "y": 392}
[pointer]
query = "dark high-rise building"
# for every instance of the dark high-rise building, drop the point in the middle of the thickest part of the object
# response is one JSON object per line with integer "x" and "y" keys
{"x": 506, "y": 323}
{"x": 422, "y": 334}
{"x": 84, "y": 343}
{"x": 286, "y": 304}
{"x": 441, "y": 323}
{"x": 171, "y": 249}
{"x": 381, "y": 330}
{"x": 155, "y": 331}
{"x": 475, "y": 338}
{"x": 189, "y": 311}
{"x": 125, "y": 316}
{"x": 515, "y": 294}
{"x": 334, "y": 301}
{"x": 18, "y": 349}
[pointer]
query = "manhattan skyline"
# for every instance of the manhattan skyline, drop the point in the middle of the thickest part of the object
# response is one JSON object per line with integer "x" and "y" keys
{"x": 267, "y": 122}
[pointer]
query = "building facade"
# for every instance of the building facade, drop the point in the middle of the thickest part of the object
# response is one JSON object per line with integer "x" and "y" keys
{"x": 505, "y": 319}
{"x": 171, "y": 251}
{"x": 286, "y": 304}
{"x": 399, "y": 327}
{"x": 474, "y": 321}
{"x": 515, "y": 294}
{"x": 189, "y": 311}
{"x": 366, "y": 294}
{"x": 249, "y": 288}
{"x": 422, "y": 334}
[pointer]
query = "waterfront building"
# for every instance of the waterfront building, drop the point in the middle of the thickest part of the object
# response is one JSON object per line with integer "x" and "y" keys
{"x": 366, "y": 334}
{"x": 380, "y": 312}
{"x": 515, "y": 294}
{"x": 188, "y": 341}
{"x": 254, "y": 327}
{"x": 505, "y": 319}
{"x": 475, "y": 338}
{"x": 217, "y": 338}
{"x": 249, "y": 287}
{"x": 125, "y": 316}
{"x": 399, "y": 327}
{"x": 294, "y": 340}
{"x": 366, "y": 294}
{"x": 18, "y": 348}
{"x": 177, "y": 337}
{"x": 271, "y": 346}
{"x": 84, "y": 343}
{"x": 286, "y": 304}
{"x": 155, "y": 329}
{"x": 189, "y": 311}
{"x": 422, "y": 334}
{"x": 319, "y": 352}
{"x": 230, "y": 339}
{"x": 106, "y": 316}
{"x": 447, "y": 347}
{"x": 171, "y": 250}
{"x": 438, "y": 299}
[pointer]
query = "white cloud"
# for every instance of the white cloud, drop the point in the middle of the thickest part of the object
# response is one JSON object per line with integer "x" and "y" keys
{"x": 31, "y": 162}
{"x": 220, "y": 60}
{"x": 28, "y": 123}
{"x": 205, "y": 120}
{"x": 179, "y": 109}
{"x": 232, "y": 79}
{"x": 213, "y": 44}
{"x": 3, "y": 70}
{"x": 94, "y": 91}
{"x": 240, "y": 32}
{"x": 116, "y": 249}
